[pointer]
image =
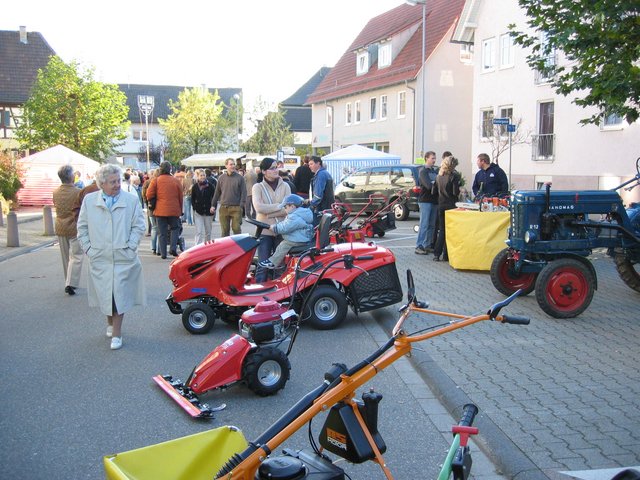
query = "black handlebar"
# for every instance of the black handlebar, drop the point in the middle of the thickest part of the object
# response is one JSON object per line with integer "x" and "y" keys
{"x": 469, "y": 412}
{"x": 515, "y": 320}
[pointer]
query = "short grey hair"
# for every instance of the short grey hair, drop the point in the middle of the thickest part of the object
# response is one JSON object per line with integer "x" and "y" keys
{"x": 105, "y": 170}
{"x": 66, "y": 174}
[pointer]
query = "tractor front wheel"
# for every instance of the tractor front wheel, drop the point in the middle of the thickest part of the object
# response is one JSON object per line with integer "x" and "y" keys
{"x": 628, "y": 272}
{"x": 564, "y": 288}
{"x": 198, "y": 318}
{"x": 506, "y": 280}
{"x": 266, "y": 370}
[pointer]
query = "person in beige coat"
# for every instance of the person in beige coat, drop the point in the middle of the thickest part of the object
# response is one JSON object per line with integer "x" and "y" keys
{"x": 268, "y": 195}
{"x": 64, "y": 198}
{"x": 110, "y": 227}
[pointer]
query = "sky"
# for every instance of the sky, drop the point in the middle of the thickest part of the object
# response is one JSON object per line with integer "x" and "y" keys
{"x": 269, "y": 49}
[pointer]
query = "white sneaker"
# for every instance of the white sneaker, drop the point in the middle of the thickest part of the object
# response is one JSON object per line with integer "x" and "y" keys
{"x": 116, "y": 343}
{"x": 110, "y": 331}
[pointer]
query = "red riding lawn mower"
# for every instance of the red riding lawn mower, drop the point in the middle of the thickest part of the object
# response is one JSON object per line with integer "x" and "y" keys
{"x": 216, "y": 280}
{"x": 258, "y": 355}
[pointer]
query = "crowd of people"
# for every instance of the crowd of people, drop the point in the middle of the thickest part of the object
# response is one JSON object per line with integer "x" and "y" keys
{"x": 106, "y": 219}
{"x": 441, "y": 188}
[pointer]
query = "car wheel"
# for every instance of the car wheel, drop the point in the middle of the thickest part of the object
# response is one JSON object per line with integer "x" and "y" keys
{"x": 401, "y": 212}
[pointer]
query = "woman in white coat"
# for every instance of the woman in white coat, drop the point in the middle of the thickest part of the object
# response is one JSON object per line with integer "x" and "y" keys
{"x": 110, "y": 227}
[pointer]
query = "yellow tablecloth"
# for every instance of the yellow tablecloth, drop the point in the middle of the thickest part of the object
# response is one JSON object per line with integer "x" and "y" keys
{"x": 474, "y": 238}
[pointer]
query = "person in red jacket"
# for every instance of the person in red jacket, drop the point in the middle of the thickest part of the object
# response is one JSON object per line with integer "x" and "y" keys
{"x": 165, "y": 199}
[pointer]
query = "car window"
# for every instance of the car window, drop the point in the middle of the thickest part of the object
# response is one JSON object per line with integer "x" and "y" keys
{"x": 402, "y": 177}
{"x": 379, "y": 176}
{"x": 357, "y": 178}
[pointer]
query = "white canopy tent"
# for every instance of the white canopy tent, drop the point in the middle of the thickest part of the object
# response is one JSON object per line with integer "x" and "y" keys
{"x": 347, "y": 160}
{"x": 41, "y": 173}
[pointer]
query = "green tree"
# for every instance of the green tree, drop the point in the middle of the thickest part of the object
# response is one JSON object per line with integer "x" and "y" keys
{"x": 10, "y": 177}
{"x": 196, "y": 124}
{"x": 600, "y": 41}
{"x": 68, "y": 107}
{"x": 272, "y": 133}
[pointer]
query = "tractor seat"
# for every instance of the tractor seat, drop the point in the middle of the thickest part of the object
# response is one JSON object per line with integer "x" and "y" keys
{"x": 323, "y": 237}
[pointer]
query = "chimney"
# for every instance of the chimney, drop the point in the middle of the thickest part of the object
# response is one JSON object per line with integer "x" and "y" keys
{"x": 23, "y": 34}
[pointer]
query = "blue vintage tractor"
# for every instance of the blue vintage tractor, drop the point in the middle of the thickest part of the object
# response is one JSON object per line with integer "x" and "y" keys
{"x": 551, "y": 236}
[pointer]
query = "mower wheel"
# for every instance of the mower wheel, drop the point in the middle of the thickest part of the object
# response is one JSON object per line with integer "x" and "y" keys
{"x": 506, "y": 280}
{"x": 266, "y": 370}
{"x": 564, "y": 288}
{"x": 401, "y": 211}
{"x": 380, "y": 233}
{"x": 628, "y": 272}
{"x": 326, "y": 308}
{"x": 198, "y": 318}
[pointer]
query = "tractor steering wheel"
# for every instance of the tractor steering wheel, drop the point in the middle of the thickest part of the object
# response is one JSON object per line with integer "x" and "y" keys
{"x": 261, "y": 226}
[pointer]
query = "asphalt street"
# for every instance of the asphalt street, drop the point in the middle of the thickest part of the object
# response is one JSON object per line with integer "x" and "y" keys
{"x": 555, "y": 396}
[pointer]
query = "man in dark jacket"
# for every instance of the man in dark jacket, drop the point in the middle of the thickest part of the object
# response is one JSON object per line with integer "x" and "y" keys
{"x": 303, "y": 178}
{"x": 427, "y": 203}
{"x": 321, "y": 189}
{"x": 490, "y": 179}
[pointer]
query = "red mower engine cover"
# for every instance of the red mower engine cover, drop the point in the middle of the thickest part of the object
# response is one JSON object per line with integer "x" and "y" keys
{"x": 265, "y": 311}
{"x": 264, "y": 322}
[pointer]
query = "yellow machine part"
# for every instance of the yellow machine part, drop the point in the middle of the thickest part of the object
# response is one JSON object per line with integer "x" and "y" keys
{"x": 193, "y": 457}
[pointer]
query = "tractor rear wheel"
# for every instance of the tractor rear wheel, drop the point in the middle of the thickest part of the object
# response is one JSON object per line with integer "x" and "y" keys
{"x": 628, "y": 272}
{"x": 326, "y": 308}
{"x": 506, "y": 280}
{"x": 564, "y": 288}
{"x": 266, "y": 370}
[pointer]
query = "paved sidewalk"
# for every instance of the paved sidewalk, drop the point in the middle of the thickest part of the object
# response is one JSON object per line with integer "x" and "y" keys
{"x": 30, "y": 233}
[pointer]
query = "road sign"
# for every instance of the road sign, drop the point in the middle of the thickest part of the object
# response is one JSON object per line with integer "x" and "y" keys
{"x": 500, "y": 121}
{"x": 511, "y": 128}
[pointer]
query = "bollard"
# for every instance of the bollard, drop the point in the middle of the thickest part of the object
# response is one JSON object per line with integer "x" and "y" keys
{"x": 13, "y": 239}
{"x": 47, "y": 216}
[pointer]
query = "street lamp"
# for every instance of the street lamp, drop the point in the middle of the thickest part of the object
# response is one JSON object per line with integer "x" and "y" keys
{"x": 145, "y": 104}
{"x": 424, "y": 66}
{"x": 236, "y": 97}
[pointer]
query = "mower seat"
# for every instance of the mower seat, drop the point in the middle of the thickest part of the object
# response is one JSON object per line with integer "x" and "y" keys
{"x": 322, "y": 237}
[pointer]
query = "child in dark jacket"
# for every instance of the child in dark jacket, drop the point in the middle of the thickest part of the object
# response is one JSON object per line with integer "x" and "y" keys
{"x": 296, "y": 230}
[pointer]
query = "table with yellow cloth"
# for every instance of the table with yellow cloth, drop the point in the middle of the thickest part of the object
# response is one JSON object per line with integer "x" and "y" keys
{"x": 474, "y": 238}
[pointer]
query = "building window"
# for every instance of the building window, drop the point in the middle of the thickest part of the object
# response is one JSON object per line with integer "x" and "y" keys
{"x": 383, "y": 107}
{"x": 550, "y": 61}
{"x": 356, "y": 111}
{"x": 489, "y": 55}
{"x": 505, "y": 112}
{"x": 507, "y": 51}
{"x": 384, "y": 55}
{"x": 362, "y": 65}
{"x": 543, "y": 143}
{"x": 139, "y": 135}
{"x": 486, "y": 124}
{"x": 347, "y": 113}
{"x": 5, "y": 118}
{"x": 402, "y": 104}
{"x": 612, "y": 122}
{"x": 372, "y": 109}
{"x": 328, "y": 116}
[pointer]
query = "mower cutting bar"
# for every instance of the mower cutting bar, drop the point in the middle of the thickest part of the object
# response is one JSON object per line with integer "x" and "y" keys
{"x": 195, "y": 409}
